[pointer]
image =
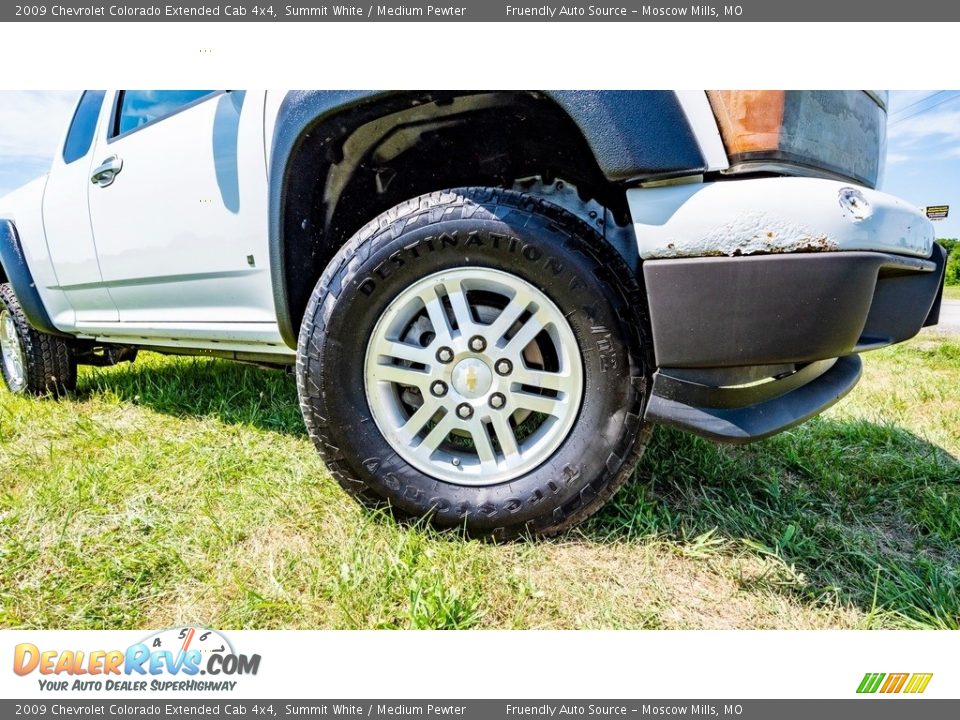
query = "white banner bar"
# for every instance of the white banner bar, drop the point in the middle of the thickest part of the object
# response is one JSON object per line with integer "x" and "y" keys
{"x": 473, "y": 664}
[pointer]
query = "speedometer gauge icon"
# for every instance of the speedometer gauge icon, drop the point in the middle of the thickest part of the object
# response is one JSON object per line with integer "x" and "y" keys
{"x": 183, "y": 639}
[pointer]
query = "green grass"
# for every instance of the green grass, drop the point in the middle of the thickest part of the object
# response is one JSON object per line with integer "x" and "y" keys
{"x": 182, "y": 490}
{"x": 951, "y": 292}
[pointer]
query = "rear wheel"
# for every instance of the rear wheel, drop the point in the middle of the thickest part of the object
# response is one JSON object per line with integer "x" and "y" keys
{"x": 31, "y": 361}
{"x": 477, "y": 356}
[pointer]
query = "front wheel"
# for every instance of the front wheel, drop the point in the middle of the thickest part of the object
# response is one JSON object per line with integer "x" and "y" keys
{"x": 477, "y": 356}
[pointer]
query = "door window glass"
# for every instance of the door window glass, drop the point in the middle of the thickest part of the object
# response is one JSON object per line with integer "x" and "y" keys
{"x": 83, "y": 126}
{"x": 140, "y": 107}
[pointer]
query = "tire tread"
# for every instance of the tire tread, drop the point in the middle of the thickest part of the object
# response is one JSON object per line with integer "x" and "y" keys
{"x": 461, "y": 203}
{"x": 51, "y": 364}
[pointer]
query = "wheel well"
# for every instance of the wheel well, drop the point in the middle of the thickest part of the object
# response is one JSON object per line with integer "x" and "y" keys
{"x": 352, "y": 166}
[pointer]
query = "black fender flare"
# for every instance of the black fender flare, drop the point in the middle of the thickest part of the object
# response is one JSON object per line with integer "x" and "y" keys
{"x": 632, "y": 135}
{"x": 21, "y": 279}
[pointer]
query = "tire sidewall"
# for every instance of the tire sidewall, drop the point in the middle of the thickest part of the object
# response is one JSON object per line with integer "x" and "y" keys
{"x": 541, "y": 253}
{"x": 6, "y": 304}
{"x": 49, "y": 361}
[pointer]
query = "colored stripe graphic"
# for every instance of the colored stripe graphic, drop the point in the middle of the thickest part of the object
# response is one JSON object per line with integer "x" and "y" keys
{"x": 894, "y": 683}
{"x": 918, "y": 682}
{"x": 870, "y": 682}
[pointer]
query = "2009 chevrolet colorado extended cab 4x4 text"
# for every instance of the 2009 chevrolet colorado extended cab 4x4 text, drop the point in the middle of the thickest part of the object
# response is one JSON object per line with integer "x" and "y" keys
{"x": 489, "y": 298}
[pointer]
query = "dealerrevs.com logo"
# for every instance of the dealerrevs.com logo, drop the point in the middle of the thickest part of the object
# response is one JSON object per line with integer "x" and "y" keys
{"x": 180, "y": 659}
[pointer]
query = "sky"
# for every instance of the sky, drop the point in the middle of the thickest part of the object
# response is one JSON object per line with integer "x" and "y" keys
{"x": 923, "y": 145}
{"x": 923, "y": 152}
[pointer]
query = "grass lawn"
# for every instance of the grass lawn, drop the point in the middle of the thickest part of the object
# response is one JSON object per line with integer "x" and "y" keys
{"x": 182, "y": 490}
{"x": 951, "y": 292}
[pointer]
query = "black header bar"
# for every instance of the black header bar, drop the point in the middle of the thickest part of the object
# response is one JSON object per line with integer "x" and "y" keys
{"x": 852, "y": 11}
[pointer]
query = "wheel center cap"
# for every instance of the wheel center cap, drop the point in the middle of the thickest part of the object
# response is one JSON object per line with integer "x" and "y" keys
{"x": 472, "y": 378}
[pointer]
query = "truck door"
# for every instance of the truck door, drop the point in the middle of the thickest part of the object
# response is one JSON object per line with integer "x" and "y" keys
{"x": 178, "y": 205}
{"x": 66, "y": 218}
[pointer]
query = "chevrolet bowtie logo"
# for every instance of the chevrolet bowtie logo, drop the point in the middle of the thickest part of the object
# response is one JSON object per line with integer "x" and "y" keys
{"x": 471, "y": 379}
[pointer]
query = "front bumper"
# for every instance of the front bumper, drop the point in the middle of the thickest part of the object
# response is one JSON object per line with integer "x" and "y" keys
{"x": 774, "y": 309}
{"x": 736, "y": 218}
{"x": 748, "y": 344}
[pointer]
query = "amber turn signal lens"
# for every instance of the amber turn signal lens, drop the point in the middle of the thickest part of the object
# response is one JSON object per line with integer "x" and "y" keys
{"x": 749, "y": 120}
{"x": 831, "y": 133}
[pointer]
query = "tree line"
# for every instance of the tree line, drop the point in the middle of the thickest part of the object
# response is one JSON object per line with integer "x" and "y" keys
{"x": 953, "y": 259}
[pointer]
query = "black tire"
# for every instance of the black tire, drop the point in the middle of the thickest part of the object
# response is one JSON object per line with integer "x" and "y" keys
{"x": 49, "y": 362}
{"x": 593, "y": 288}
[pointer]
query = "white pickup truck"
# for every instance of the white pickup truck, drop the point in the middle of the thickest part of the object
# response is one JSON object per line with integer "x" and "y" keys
{"x": 488, "y": 298}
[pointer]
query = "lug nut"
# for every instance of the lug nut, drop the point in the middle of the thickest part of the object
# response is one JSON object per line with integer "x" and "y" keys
{"x": 464, "y": 411}
{"x": 478, "y": 344}
{"x": 438, "y": 388}
{"x": 444, "y": 354}
{"x": 497, "y": 401}
{"x": 503, "y": 367}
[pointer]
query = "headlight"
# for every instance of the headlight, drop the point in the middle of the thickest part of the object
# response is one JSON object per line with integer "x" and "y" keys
{"x": 841, "y": 133}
